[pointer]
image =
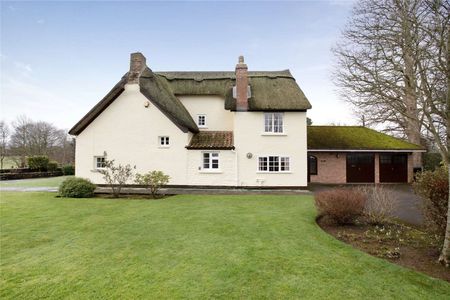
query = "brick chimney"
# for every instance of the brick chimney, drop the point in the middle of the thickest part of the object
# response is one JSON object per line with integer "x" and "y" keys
{"x": 241, "y": 85}
{"x": 137, "y": 65}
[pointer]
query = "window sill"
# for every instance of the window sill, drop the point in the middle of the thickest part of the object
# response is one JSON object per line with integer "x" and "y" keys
{"x": 96, "y": 170}
{"x": 163, "y": 147}
{"x": 202, "y": 127}
{"x": 273, "y": 134}
{"x": 210, "y": 172}
{"x": 273, "y": 172}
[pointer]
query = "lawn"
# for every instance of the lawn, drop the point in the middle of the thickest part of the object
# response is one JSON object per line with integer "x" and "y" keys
{"x": 35, "y": 182}
{"x": 187, "y": 247}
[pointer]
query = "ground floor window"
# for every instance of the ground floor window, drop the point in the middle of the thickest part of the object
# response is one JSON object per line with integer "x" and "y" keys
{"x": 99, "y": 162}
{"x": 210, "y": 160}
{"x": 273, "y": 164}
{"x": 312, "y": 164}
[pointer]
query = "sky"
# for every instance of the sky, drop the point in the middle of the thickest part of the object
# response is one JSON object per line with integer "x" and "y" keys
{"x": 58, "y": 59}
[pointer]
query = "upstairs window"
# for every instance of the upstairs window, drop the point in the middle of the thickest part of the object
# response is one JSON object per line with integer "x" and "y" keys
{"x": 273, "y": 164}
{"x": 164, "y": 141}
{"x": 210, "y": 160}
{"x": 201, "y": 120}
{"x": 273, "y": 122}
{"x": 99, "y": 162}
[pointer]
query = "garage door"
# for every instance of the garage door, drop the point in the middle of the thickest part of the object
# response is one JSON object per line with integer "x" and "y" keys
{"x": 394, "y": 167}
{"x": 360, "y": 167}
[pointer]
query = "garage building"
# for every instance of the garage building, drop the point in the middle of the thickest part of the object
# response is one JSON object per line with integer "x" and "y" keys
{"x": 356, "y": 154}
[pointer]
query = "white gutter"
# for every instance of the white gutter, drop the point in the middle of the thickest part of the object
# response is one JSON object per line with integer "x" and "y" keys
{"x": 361, "y": 150}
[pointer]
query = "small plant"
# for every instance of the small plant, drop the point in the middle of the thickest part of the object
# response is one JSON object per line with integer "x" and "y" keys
{"x": 116, "y": 176}
{"x": 68, "y": 170}
{"x": 38, "y": 163}
{"x": 433, "y": 187}
{"x": 153, "y": 180}
{"x": 52, "y": 166}
{"x": 342, "y": 205}
{"x": 76, "y": 188}
{"x": 380, "y": 205}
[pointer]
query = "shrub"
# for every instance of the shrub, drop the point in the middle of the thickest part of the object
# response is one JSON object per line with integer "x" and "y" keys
{"x": 68, "y": 170}
{"x": 341, "y": 205}
{"x": 38, "y": 163}
{"x": 52, "y": 166}
{"x": 431, "y": 161}
{"x": 433, "y": 187}
{"x": 116, "y": 176}
{"x": 77, "y": 188}
{"x": 380, "y": 205}
{"x": 153, "y": 180}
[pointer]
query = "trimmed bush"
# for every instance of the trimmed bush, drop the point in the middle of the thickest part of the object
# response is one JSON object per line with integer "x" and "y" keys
{"x": 433, "y": 187}
{"x": 38, "y": 163}
{"x": 52, "y": 166}
{"x": 76, "y": 188}
{"x": 341, "y": 205}
{"x": 153, "y": 180}
{"x": 68, "y": 170}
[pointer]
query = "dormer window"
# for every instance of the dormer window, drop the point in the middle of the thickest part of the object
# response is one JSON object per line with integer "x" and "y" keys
{"x": 273, "y": 122}
{"x": 201, "y": 121}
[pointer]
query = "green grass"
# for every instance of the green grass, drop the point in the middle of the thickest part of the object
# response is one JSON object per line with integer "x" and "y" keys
{"x": 9, "y": 162}
{"x": 187, "y": 247}
{"x": 35, "y": 182}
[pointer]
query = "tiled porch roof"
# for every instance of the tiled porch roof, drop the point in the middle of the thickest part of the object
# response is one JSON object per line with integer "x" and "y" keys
{"x": 213, "y": 140}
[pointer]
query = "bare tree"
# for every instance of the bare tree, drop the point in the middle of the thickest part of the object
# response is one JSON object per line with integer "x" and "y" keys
{"x": 40, "y": 138}
{"x": 393, "y": 65}
{"x": 376, "y": 65}
{"x": 4, "y": 135}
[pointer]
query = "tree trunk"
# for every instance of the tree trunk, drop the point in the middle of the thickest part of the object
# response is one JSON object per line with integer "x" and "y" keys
{"x": 411, "y": 115}
{"x": 445, "y": 255}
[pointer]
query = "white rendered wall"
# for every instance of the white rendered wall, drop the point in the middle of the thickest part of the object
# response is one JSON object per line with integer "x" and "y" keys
{"x": 249, "y": 137}
{"x": 128, "y": 132}
{"x": 225, "y": 176}
{"x": 217, "y": 117}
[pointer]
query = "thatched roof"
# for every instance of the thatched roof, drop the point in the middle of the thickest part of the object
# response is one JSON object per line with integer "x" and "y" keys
{"x": 270, "y": 91}
{"x": 213, "y": 140}
{"x": 275, "y": 90}
{"x": 354, "y": 138}
{"x": 158, "y": 92}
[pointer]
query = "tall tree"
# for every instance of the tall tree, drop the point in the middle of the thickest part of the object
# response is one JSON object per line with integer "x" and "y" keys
{"x": 393, "y": 65}
{"x": 376, "y": 65}
{"x": 4, "y": 135}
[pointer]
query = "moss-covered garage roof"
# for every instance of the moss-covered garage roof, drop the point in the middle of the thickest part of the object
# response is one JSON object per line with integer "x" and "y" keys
{"x": 270, "y": 90}
{"x": 354, "y": 138}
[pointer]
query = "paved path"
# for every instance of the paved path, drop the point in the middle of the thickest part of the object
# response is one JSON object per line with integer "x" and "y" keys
{"x": 210, "y": 191}
{"x": 29, "y": 189}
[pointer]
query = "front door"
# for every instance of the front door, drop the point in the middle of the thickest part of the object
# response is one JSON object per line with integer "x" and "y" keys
{"x": 360, "y": 167}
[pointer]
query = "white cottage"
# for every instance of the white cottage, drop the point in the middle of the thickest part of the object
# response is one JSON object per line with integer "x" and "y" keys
{"x": 228, "y": 129}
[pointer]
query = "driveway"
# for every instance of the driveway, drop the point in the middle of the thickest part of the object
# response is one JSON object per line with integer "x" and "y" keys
{"x": 409, "y": 204}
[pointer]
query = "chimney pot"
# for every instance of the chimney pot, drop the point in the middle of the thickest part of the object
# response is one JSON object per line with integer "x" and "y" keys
{"x": 241, "y": 85}
{"x": 137, "y": 65}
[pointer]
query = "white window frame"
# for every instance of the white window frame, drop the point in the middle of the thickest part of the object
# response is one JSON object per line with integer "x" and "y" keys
{"x": 96, "y": 162}
{"x": 212, "y": 157}
{"x": 205, "y": 123}
{"x": 279, "y": 159}
{"x": 164, "y": 141}
{"x": 274, "y": 123}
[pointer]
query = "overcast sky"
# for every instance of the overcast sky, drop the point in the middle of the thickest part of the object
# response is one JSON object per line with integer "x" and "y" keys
{"x": 58, "y": 59}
